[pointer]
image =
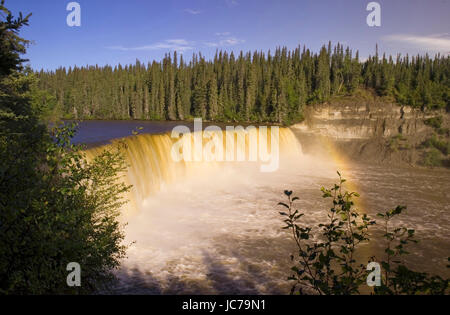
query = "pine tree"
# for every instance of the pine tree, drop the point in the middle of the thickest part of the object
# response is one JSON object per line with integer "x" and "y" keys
{"x": 322, "y": 76}
{"x": 213, "y": 104}
{"x": 250, "y": 93}
{"x": 161, "y": 100}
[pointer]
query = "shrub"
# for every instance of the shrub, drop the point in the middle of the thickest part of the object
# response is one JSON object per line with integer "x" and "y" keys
{"x": 398, "y": 278}
{"x": 442, "y": 145}
{"x": 444, "y": 132}
{"x": 398, "y": 142}
{"x": 325, "y": 262}
{"x": 58, "y": 208}
{"x": 432, "y": 158}
{"x": 55, "y": 206}
{"x": 434, "y": 122}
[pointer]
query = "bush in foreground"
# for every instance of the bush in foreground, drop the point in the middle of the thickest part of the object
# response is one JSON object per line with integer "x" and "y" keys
{"x": 326, "y": 263}
{"x": 55, "y": 206}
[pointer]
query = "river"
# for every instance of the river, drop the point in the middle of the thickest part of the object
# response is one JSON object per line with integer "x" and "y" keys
{"x": 219, "y": 231}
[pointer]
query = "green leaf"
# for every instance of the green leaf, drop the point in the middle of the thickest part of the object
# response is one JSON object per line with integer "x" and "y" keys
{"x": 283, "y": 204}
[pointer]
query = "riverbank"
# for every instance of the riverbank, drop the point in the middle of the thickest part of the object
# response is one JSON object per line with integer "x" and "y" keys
{"x": 374, "y": 130}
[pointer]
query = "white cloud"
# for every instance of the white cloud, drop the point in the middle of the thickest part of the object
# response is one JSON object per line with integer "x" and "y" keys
{"x": 435, "y": 42}
{"x": 192, "y": 11}
{"x": 223, "y": 34}
{"x": 169, "y": 44}
{"x": 182, "y": 45}
{"x": 441, "y": 35}
{"x": 226, "y": 42}
{"x": 231, "y": 42}
{"x": 181, "y": 42}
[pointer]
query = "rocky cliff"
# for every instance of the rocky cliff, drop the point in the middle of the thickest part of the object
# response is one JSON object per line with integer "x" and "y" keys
{"x": 370, "y": 129}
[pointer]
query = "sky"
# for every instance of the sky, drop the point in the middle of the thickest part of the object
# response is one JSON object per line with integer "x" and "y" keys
{"x": 114, "y": 31}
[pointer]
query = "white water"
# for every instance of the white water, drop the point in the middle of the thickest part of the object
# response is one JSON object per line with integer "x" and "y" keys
{"x": 220, "y": 231}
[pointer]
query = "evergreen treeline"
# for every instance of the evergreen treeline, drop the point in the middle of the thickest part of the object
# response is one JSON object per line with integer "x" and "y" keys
{"x": 249, "y": 87}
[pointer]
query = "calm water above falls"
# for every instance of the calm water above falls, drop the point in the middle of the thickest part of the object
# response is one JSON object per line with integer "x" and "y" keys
{"x": 101, "y": 131}
{"x": 219, "y": 231}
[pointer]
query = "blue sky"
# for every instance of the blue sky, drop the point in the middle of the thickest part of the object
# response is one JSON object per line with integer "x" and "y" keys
{"x": 114, "y": 31}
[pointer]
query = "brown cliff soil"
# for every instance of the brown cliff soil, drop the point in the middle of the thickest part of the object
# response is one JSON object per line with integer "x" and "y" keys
{"x": 372, "y": 129}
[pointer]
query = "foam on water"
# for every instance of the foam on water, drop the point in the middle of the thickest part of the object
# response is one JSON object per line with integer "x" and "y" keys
{"x": 220, "y": 232}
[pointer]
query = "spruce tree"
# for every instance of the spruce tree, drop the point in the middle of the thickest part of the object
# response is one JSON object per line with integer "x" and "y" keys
{"x": 213, "y": 104}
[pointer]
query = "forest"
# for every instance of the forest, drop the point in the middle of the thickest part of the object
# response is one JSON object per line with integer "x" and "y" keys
{"x": 251, "y": 87}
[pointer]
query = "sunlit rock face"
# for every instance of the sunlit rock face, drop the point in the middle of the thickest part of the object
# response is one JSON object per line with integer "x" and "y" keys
{"x": 362, "y": 120}
{"x": 369, "y": 130}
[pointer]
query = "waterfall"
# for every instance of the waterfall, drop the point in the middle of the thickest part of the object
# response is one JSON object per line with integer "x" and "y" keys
{"x": 151, "y": 165}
